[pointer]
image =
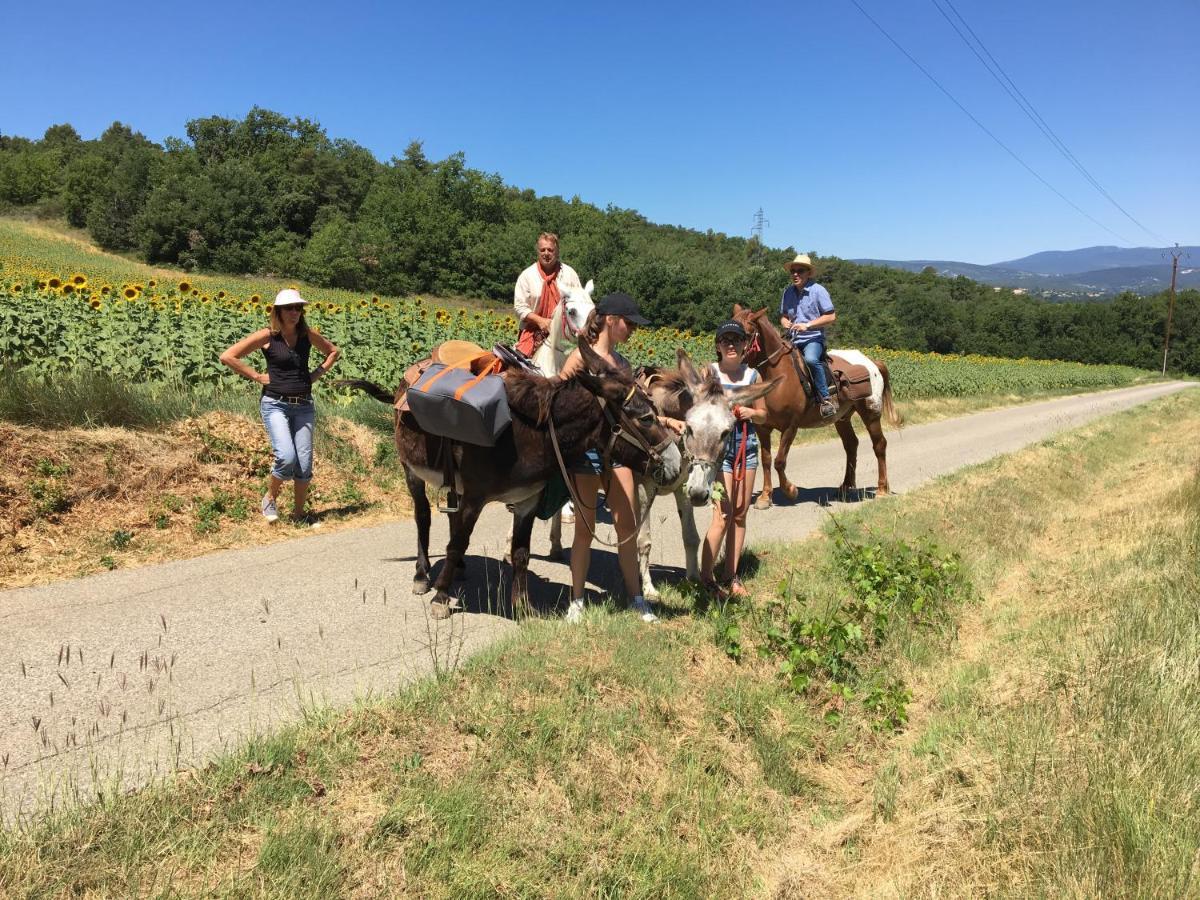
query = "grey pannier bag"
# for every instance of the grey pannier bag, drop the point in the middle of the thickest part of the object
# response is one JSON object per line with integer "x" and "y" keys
{"x": 454, "y": 403}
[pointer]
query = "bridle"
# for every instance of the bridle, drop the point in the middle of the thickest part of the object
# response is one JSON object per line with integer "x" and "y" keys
{"x": 621, "y": 426}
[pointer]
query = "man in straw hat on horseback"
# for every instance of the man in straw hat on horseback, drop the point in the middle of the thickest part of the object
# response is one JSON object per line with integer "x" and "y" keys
{"x": 805, "y": 310}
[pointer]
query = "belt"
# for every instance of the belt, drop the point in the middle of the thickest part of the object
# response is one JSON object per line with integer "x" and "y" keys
{"x": 288, "y": 398}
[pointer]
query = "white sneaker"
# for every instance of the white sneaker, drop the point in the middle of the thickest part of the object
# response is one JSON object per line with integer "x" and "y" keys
{"x": 641, "y": 606}
{"x": 568, "y": 513}
{"x": 269, "y": 511}
{"x": 575, "y": 612}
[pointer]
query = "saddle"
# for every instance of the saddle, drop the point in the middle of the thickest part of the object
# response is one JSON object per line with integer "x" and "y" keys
{"x": 455, "y": 397}
{"x": 850, "y": 381}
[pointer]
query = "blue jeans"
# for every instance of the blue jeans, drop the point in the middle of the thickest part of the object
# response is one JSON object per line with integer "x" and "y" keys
{"x": 814, "y": 352}
{"x": 290, "y": 428}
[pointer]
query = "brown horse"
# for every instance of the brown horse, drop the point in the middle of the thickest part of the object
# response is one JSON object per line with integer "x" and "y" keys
{"x": 516, "y": 470}
{"x": 791, "y": 407}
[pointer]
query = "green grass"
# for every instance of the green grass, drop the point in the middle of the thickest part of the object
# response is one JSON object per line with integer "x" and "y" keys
{"x": 611, "y": 759}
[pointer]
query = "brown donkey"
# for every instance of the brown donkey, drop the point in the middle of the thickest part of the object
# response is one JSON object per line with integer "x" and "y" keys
{"x": 790, "y": 408}
{"x": 516, "y": 470}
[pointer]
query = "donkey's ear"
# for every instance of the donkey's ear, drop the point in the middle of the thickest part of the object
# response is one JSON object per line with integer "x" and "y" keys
{"x": 744, "y": 396}
{"x": 688, "y": 370}
{"x": 590, "y": 287}
{"x": 592, "y": 363}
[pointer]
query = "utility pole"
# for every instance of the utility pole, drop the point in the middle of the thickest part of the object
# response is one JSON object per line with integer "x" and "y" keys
{"x": 1175, "y": 254}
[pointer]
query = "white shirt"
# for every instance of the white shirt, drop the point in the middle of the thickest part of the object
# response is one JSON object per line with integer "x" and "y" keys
{"x": 749, "y": 376}
{"x": 528, "y": 290}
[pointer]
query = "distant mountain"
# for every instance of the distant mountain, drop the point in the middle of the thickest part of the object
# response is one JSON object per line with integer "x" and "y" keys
{"x": 1091, "y": 272}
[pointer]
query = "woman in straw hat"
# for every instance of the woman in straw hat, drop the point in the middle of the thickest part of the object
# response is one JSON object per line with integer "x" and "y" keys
{"x": 805, "y": 311}
{"x": 286, "y": 405}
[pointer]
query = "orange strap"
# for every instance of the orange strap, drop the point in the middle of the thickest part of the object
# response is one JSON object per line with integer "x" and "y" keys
{"x": 466, "y": 363}
{"x": 493, "y": 366}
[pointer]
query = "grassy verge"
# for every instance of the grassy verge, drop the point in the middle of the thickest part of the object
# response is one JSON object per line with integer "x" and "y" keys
{"x": 615, "y": 760}
{"x": 101, "y": 474}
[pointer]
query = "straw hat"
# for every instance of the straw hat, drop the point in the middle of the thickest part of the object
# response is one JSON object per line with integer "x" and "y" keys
{"x": 802, "y": 261}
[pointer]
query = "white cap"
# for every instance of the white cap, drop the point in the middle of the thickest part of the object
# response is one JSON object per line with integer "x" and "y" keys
{"x": 289, "y": 297}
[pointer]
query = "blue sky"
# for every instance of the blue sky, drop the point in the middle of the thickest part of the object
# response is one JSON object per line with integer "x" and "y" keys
{"x": 694, "y": 114}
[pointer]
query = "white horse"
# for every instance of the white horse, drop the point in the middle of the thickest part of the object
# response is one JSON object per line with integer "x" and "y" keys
{"x": 569, "y": 318}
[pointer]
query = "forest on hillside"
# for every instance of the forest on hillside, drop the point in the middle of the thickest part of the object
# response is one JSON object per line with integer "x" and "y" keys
{"x": 275, "y": 195}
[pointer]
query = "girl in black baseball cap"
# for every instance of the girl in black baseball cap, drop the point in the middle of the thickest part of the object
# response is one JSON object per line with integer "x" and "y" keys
{"x": 613, "y": 321}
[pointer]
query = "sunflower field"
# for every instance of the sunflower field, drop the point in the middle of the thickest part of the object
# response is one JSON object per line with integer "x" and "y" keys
{"x": 65, "y": 306}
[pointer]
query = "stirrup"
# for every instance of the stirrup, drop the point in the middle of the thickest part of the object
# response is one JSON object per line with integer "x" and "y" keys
{"x": 447, "y": 500}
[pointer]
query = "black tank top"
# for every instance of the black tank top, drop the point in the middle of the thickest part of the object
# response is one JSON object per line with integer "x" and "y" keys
{"x": 288, "y": 368}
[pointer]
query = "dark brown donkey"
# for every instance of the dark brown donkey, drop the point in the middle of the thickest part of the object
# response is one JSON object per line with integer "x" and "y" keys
{"x": 515, "y": 471}
{"x": 790, "y": 407}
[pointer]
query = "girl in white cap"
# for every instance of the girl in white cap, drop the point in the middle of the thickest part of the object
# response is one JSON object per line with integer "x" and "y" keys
{"x": 286, "y": 405}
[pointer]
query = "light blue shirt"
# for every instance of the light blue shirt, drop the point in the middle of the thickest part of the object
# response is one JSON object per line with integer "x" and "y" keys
{"x": 803, "y": 306}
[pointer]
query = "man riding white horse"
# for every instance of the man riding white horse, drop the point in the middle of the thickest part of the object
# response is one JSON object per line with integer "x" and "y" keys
{"x": 538, "y": 291}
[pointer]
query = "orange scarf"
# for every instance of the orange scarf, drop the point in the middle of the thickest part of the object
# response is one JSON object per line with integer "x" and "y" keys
{"x": 531, "y": 336}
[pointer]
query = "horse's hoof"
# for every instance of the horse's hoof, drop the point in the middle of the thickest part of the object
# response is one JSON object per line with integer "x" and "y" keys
{"x": 792, "y": 493}
{"x": 651, "y": 593}
{"x": 421, "y": 585}
{"x": 763, "y": 502}
{"x": 443, "y": 607}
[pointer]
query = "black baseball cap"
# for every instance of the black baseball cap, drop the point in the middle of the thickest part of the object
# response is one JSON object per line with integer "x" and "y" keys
{"x": 731, "y": 327}
{"x": 621, "y": 305}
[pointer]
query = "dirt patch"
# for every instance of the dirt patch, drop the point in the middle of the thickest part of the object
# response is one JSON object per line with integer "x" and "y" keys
{"x": 78, "y": 500}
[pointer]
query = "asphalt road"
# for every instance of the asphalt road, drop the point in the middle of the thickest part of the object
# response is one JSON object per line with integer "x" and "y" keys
{"x": 111, "y": 681}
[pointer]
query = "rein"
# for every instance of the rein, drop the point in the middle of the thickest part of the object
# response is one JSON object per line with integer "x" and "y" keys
{"x": 616, "y": 431}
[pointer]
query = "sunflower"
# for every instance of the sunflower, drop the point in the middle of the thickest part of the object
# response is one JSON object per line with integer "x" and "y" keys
{"x": 41, "y": 285}
{"x": 442, "y": 316}
{"x": 362, "y": 304}
{"x": 94, "y": 303}
{"x": 386, "y": 306}
{"x": 130, "y": 292}
{"x": 206, "y": 299}
{"x": 17, "y": 287}
{"x": 104, "y": 289}
{"x": 374, "y": 301}
{"x": 54, "y": 283}
{"x": 255, "y": 299}
{"x": 152, "y": 283}
{"x": 78, "y": 280}
{"x": 68, "y": 288}
{"x": 185, "y": 287}
{"x": 221, "y": 295}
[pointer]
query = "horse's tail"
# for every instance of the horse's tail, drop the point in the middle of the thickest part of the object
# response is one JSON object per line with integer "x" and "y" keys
{"x": 890, "y": 413}
{"x": 368, "y": 387}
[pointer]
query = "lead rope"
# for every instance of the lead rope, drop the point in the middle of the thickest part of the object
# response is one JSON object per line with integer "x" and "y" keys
{"x": 562, "y": 467}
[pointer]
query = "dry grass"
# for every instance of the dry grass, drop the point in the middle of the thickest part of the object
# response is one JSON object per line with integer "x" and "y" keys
{"x": 83, "y": 500}
{"x": 921, "y": 822}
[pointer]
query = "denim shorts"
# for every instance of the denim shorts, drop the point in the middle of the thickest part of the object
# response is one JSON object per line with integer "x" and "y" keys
{"x": 290, "y": 429}
{"x": 735, "y": 442}
{"x": 592, "y": 464}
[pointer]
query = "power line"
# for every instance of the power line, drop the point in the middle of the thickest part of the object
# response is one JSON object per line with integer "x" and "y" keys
{"x": 997, "y": 72}
{"x": 985, "y": 129}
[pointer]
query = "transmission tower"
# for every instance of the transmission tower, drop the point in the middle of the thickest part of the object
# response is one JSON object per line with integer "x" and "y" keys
{"x": 756, "y": 234}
